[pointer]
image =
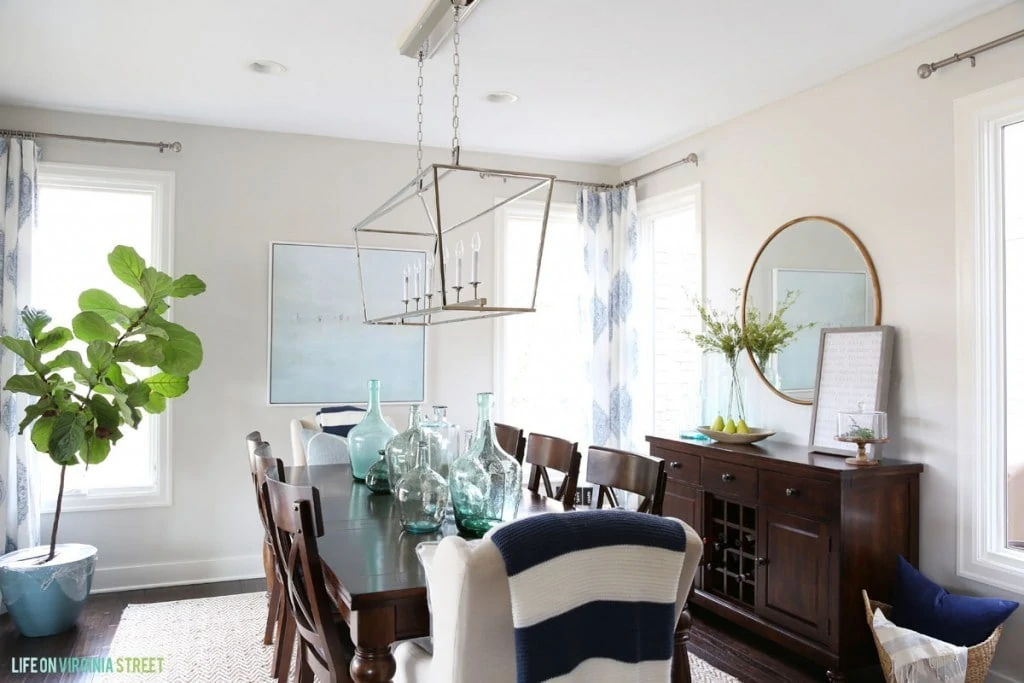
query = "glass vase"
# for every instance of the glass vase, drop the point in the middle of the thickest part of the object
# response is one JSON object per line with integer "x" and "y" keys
{"x": 447, "y": 435}
{"x": 486, "y": 482}
{"x": 401, "y": 451}
{"x": 370, "y": 436}
{"x": 422, "y": 495}
{"x": 736, "y": 407}
{"x": 377, "y": 476}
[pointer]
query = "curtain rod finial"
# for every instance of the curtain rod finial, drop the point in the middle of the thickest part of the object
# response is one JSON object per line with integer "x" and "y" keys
{"x": 925, "y": 70}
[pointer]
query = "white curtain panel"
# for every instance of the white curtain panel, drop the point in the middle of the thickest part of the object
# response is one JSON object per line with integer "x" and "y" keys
{"x": 19, "y": 507}
{"x": 617, "y": 310}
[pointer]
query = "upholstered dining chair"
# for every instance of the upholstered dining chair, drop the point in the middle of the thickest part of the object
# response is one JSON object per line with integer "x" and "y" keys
{"x": 327, "y": 449}
{"x": 611, "y": 468}
{"x": 511, "y": 440}
{"x": 296, "y": 523}
{"x": 337, "y": 420}
{"x": 268, "y": 467}
{"x": 470, "y": 603}
{"x": 545, "y": 452}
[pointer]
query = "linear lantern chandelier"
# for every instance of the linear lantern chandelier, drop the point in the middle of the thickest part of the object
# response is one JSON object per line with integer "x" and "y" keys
{"x": 436, "y": 209}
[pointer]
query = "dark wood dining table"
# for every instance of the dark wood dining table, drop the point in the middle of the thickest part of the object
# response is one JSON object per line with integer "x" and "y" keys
{"x": 373, "y": 573}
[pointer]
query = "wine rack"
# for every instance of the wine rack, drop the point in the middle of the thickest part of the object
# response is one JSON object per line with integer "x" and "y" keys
{"x": 731, "y": 550}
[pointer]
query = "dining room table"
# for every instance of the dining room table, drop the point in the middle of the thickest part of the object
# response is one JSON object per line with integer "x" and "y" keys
{"x": 374, "y": 575}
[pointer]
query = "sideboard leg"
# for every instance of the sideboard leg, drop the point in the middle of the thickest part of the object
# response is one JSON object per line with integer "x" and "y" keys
{"x": 836, "y": 676}
{"x": 680, "y": 656}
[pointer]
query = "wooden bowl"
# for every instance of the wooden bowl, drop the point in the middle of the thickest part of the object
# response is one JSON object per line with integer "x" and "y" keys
{"x": 754, "y": 435}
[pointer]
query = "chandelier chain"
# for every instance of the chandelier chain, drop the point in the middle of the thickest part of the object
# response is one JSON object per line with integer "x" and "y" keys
{"x": 419, "y": 116}
{"x": 455, "y": 83}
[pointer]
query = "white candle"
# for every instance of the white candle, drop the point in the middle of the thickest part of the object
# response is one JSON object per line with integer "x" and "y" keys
{"x": 429, "y": 279}
{"x": 446, "y": 264}
{"x": 405, "y": 284}
{"x": 416, "y": 281}
{"x": 459, "y": 251}
{"x": 475, "y": 269}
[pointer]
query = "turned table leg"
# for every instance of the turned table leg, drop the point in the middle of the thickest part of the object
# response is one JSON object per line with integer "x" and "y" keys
{"x": 680, "y": 657}
{"x": 836, "y": 676}
{"x": 373, "y": 632}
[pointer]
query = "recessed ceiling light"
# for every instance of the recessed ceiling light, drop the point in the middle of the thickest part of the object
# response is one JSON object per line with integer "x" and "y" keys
{"x": 265, "y": 66}
{"x": 501, "y": 97}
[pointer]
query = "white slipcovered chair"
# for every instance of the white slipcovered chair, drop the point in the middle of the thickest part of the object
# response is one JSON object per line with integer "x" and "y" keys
{"x": 471, "y": 613}
{"x": 303, "y": 429}
{"x": 327, "y": 449}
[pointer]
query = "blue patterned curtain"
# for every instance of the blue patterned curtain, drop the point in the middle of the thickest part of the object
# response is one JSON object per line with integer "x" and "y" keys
{"x": 19, "y": 510}
{"x": 619, "y": 316}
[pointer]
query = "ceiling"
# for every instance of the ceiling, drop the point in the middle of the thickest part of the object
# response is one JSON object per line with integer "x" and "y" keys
{"x": 598, "y": 80}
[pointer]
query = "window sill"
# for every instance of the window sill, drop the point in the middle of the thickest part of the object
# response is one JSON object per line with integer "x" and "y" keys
{"x": 109, "y": 500}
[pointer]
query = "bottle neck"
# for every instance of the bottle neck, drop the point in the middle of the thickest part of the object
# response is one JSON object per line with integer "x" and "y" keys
{"x": 422, "y": 455}
{"x": 373, "y": 405}
{"x": 484, "y": 424}
{"x": 414, "y": 417}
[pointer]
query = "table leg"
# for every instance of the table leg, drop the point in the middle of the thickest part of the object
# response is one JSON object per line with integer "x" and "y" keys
{"x": 373, "y": 632}
{"x": 680, "y": 656}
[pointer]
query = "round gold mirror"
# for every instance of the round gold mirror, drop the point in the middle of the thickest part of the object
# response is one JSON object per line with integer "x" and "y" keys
{"x": 810, "y": 274}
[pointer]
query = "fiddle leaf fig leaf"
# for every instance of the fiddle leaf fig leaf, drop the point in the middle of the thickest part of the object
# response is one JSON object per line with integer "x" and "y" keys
{"x": 29, "y": 353}
{"x": 66, "y": 438}
{"x": 155, "y": 285}
{"x": 142, "y": 353}
{"x": 52, "y": 340}
{"x": 138, "y": 395}
{"x": 96, "y": 450}
{"x": 187, "y": 285}
{"x": 90, "y": 326}
{"x": 168, "y": 386}
{"x": 183, "y": 352}
{"x": 33, "y": 411}
{"x": 101, "y": 355}
{"x": 151, "y": 331}
{"x": 35, "y": 320}
{"x": 127, "y": 266}
{"x": 157, "y": 403}
{"x": 105, "y": 305}
{"x": 105, "y": 413}
{"x": 34, "y": 385}
{"x": 41, "y": 431}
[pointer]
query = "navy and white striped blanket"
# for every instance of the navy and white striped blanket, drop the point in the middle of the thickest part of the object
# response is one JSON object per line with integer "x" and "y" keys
{"x": 593, "y": 595}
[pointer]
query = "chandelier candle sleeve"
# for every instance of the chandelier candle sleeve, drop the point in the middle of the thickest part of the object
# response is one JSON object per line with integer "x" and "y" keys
{"x": 459, "y": 252}
{"x": 474, "y": 275}
{"x": 405, "y": 284}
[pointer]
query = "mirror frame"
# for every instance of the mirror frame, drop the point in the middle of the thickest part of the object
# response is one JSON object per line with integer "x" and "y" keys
{"x": 750, "y": 273}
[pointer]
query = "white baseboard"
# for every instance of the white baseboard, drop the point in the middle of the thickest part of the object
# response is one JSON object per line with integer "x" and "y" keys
{"x": 1004, "y": 678}
{"x": 134, "y": 577}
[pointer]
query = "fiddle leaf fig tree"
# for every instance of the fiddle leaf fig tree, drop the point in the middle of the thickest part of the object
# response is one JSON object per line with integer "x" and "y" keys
{"x": 81, "y": 404}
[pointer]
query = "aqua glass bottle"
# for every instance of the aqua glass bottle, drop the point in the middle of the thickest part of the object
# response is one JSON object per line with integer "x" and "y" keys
{"x": 370, "y": 436}
{"x": 377, "y": 476}
{"x": 401, "y": 451}
{"x": 422, "y": 495}
{"x": 486, "y": 482}
{"x": 447, "y": 435}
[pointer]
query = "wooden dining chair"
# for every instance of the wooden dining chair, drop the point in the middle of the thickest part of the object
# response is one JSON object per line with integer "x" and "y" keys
{"x": 545, "y": 452}
{"x": 297, "y": 522}
{"x": 511, "y": 440}
{"x": 278, "y": 616}
{"x": 611, "y": 468}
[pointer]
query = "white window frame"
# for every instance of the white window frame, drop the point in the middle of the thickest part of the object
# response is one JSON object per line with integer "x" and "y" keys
{"x": 526, "y": 210}
{"x": 160, "y": 186}
{"x": 982, "y": 552}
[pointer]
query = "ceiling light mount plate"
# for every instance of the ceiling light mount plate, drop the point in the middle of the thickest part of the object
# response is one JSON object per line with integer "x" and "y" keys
{"x": 267, "y": 67}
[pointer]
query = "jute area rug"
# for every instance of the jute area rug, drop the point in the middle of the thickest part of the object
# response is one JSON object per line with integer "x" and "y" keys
{"x": 220, "y": 640}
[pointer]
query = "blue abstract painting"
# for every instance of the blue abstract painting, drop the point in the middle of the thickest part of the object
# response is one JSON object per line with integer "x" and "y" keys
{"x": 321, "y": 351}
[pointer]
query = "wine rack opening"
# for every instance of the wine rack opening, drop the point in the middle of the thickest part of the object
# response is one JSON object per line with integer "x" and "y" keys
{"x": 731, "y": 567}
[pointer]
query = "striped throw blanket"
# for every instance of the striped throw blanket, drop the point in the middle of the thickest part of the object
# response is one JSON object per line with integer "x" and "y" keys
{"x": 917, "y": 658}
{"x": 593, "y": 595}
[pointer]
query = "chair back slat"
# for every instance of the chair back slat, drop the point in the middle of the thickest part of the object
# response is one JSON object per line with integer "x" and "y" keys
{"x": 511, "y": 440}
{"x": 611, "y": 468}
{"x": 252, "y": 440}
{"x": 549, "y": 452}
{"x": 296, "y": 520}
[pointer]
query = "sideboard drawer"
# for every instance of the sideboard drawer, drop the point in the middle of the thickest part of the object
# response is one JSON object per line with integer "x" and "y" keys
{"x": 680, "y": 466}
{"x": 724, "y": 477}
{"x": 800, "y": 495}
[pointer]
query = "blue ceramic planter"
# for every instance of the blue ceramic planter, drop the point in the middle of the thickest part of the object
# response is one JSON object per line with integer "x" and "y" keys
{"x": 44, "y": 599}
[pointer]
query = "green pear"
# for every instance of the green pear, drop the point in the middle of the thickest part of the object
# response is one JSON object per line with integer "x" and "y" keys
{"x": 730, "y": 427}
{"x": 741, "y": 427}
{"x": 718, "y": 424}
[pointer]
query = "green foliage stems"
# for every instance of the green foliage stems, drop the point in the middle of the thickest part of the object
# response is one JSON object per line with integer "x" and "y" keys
{"x": 768, "y": 336}
{"x": 76, "y": 420}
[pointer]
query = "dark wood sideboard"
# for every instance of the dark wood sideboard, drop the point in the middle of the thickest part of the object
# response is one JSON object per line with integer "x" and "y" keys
{"x": 791, "y": 538}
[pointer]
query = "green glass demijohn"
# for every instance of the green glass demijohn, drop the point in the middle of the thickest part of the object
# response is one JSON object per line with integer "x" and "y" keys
{"x": 377, "y": 476}
{"x": 370, "y": 436}
{"x": 422, "y": 495}
{"x": 486, "y": 482}
{"x": 401, "y": 451}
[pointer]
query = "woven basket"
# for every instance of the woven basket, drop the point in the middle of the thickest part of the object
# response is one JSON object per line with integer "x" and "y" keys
{"x": 979, "y": 657}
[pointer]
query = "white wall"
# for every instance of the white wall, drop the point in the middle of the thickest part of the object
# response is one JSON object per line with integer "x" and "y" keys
{"x": 874, "y": 150}
{"x": 236, "y": 191}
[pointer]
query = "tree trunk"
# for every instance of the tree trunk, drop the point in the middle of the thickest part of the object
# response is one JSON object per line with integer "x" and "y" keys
{"x": 56, "y": 515}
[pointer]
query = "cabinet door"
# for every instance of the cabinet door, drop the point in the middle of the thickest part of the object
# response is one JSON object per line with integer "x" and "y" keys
{"x": 793, "y": 583}
{"x": 684, "y": 502}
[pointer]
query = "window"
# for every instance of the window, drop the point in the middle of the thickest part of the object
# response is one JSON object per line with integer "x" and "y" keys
{"x": 84, "y": 212}
{"x": 541, "y": 380}
{"x": 990, "y": 341}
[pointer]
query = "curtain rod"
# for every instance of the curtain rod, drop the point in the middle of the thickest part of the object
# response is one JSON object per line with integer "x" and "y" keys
{"x": 926, "y": 70}
{"x": 690, "y": 158}
{"x": 162, "y": 146}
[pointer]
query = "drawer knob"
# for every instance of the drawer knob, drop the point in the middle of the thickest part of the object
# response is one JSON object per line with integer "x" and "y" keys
{"x": 728, "y": 477}
{"x": 761, "y": 561}
{"x": 792, "y": 493}
{"x": 675, "y": 465}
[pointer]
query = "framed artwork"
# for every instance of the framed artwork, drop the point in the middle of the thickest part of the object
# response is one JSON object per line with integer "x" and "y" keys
{"x": 854, "y": 364}
{"x": 319, "y": 351}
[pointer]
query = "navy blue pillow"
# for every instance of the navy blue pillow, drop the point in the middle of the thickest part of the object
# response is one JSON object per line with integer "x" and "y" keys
{"x": 339, "y": 430}
{"x": 924, "y": 606}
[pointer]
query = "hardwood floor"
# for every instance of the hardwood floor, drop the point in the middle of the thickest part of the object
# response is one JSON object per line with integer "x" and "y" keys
{"x": 745, "y": 656}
